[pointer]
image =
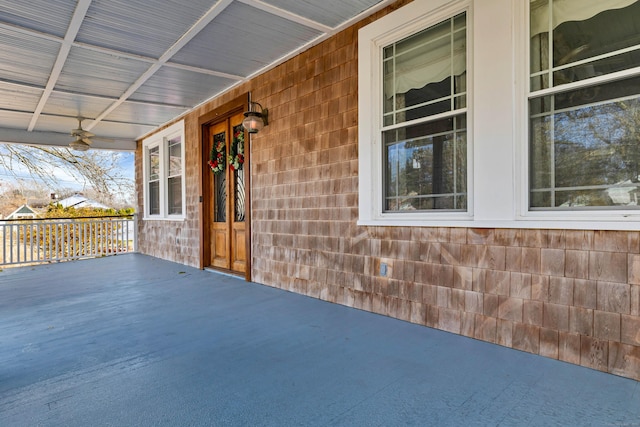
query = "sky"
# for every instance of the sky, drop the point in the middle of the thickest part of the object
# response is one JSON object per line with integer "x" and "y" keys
{"x": 67, "y": 181}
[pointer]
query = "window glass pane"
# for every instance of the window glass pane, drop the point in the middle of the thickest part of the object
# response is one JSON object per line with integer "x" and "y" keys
{"x": 175, "y": 157}
{"x": 154, "y": 163}
{"x": 460, "y": 22}
{"x": 237, "y": 150}
{"x": 585, "y": 149}
{"x": 220, "y": 178}
{"x": 388, "y": 52}
{"x": 425, "y": 166}
{"x": 423, "y": 72}
{"x": 175, "y": 195}
{"x": 588, "y": 39}
{"x": 583, "y": 142}
{"x": 240, "y": 195}
{"x": 539, "y": 25}
{"x": 154, "y": 198}
{"x": 459, "y": 61}
{"x": 163, "y": 180}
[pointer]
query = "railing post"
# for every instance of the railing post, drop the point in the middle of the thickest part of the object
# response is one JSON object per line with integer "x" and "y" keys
{"x": 4, "y": 242}
{"x": 135, "y": 232}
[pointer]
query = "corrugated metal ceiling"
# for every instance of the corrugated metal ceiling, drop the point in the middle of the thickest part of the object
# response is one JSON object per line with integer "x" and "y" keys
{"x": 130, "y": 66}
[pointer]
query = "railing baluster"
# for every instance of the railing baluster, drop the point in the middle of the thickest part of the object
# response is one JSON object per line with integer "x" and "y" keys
{"x": 58, "y": 245}
{"x": 31, "y": 242}
{"x": 50, "y": 241}
{"x": 94, "y": 241}
{"x": 11, "y": 245}
{"x": 74, "y": 237}
{"x": 38, "y": 240}
{"x": 4, "y": 249}
{"x": 19, "y": 241}
{"x": 81, "y": 227}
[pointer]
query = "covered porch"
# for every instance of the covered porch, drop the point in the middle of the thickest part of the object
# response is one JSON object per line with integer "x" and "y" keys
{"x": 135, "y": 340}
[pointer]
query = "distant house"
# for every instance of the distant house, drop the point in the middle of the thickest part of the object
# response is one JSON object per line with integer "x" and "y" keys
{"x": 79, "y": 201}
{"x": 23, "y": 212}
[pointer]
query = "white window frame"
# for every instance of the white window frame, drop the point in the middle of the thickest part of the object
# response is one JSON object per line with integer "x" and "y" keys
{"x": 161, "y": 140}
{"x": 404, "y": 22}
{"x": 593, "y": 218}
{"x": 497, "y": 121}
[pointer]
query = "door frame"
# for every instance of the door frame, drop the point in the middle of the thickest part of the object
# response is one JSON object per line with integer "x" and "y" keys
{"x": 224, "y": 112}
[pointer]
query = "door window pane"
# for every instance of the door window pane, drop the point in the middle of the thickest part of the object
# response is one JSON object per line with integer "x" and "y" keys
{"x": 238, "y": 150}
{"x": 220, "y": 181}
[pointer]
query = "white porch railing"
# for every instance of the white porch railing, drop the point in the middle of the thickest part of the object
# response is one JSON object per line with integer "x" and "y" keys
{"x": 31, "y": 241}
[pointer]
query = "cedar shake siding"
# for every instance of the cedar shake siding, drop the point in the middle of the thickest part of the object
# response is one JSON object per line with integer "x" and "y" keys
{"x": 570, "y": 295}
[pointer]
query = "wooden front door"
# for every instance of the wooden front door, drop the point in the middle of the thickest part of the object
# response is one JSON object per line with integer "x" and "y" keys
{"x": 227, "y": 194}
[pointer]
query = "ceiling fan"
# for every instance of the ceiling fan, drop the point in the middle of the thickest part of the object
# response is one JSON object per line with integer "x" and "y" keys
{"x": 83, "y": 137}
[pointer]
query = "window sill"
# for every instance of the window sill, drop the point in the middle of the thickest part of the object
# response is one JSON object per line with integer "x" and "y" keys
{"x": 168, "y": 218}
{"x": 529, "y": 223}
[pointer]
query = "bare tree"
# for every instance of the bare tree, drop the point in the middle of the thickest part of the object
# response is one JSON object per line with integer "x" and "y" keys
{"x": 98, "y": 171}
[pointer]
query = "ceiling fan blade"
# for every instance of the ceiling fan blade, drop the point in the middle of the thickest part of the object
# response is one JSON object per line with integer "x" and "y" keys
{"x": 82, "y": 133}
{"x": 84, "y": 139}
{"x": 79, "y": 145}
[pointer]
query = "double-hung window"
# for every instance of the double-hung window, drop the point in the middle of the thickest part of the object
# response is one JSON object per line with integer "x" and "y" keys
{"x": 163, "y": 168}
{"x": 584, "y": 105}
{"x": 506, "y": 113}
{"x": 413, "y": 91}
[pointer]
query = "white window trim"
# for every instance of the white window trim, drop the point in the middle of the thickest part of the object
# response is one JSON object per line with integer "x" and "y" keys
{"x": 497, "y": 117}
{"x": 591, "y": 219}
{"x": 161, "y": 140}
{"x": 372, "y": 38}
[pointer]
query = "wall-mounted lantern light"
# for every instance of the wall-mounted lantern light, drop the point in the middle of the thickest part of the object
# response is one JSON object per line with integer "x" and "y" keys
{"x": 256, "y": 118}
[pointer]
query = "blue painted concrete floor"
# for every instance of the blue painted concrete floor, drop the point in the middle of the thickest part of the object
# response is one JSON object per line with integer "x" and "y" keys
{"x": 132, "y": 340}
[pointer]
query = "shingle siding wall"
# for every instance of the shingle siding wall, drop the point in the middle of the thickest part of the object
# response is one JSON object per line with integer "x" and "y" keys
{"x": 564, "y": 294}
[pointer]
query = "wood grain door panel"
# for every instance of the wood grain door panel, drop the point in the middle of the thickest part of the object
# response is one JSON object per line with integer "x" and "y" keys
{"x": 228, "y": 239}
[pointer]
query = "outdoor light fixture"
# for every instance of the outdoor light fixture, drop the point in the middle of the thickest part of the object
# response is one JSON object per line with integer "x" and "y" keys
{"x": 255, "y": 120}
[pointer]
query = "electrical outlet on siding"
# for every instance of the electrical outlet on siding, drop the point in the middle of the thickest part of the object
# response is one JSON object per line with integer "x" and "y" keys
{"x": 383, "y": 267}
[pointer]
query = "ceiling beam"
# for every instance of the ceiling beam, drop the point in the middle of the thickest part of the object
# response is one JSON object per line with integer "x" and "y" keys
{"x": 63, "y": 53}
{"x": 204, "y": 71}
{"x": 61, "y": 140}
{"x": 324, "y": 36}
{"x": 165, "y": 57}
{"x": 287, "y": 15}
